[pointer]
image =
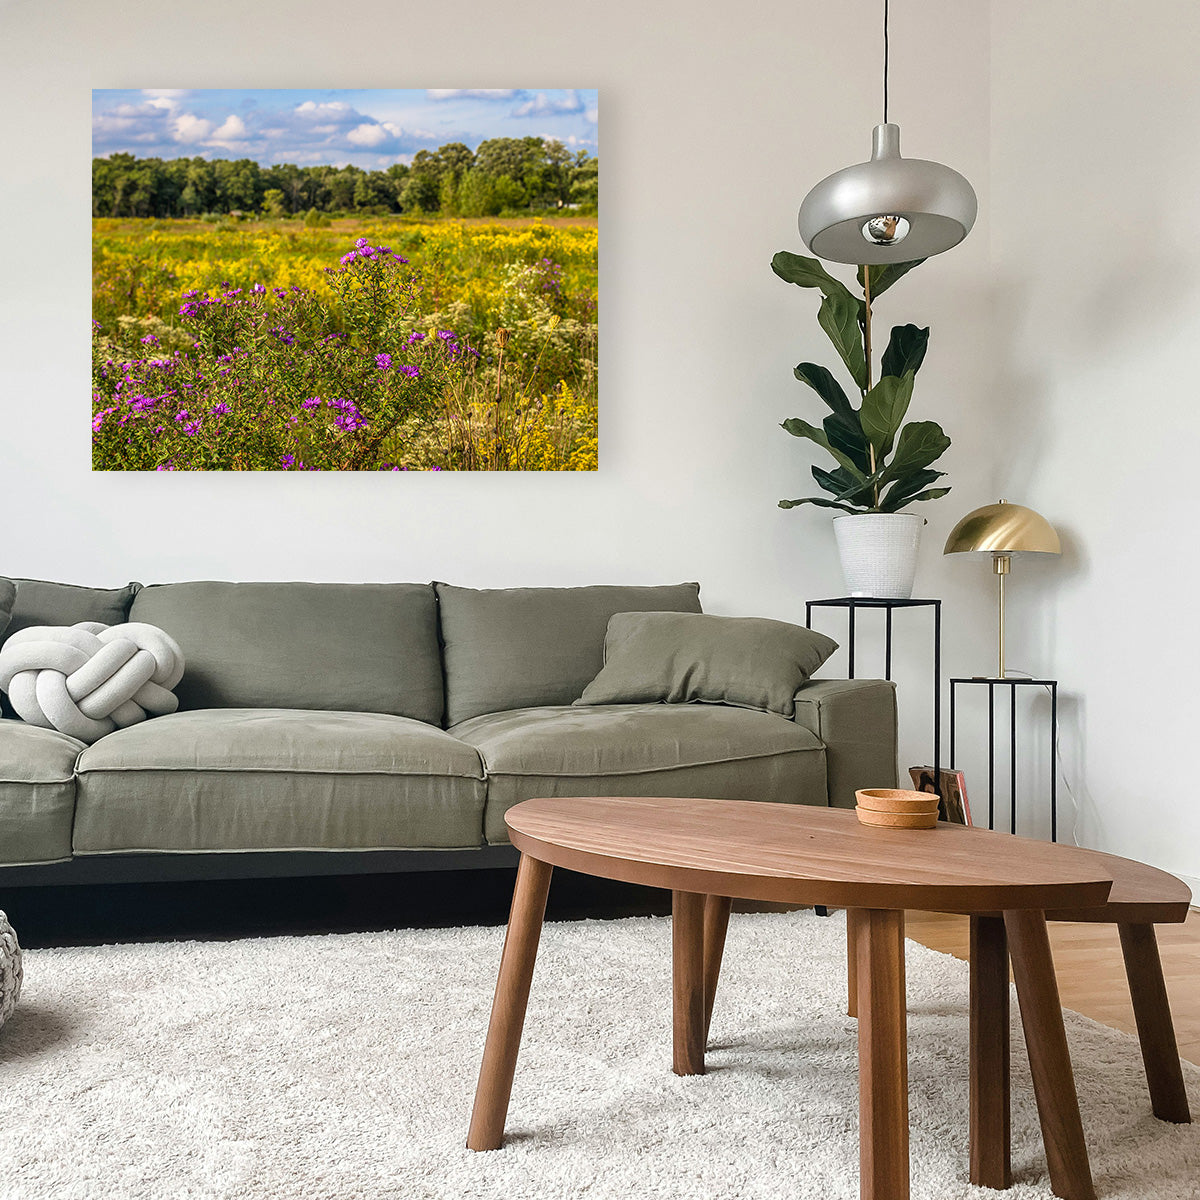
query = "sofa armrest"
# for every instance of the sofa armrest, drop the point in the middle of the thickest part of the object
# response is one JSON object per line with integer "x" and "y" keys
{"x": 856, "y": 721}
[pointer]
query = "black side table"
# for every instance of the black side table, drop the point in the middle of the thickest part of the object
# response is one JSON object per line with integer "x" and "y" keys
{"x": 852, "y": 604}
{"x": 1012, "y": 683}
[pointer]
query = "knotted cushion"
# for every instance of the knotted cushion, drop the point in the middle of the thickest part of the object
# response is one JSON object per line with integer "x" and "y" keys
{"x": 88, "y": 679}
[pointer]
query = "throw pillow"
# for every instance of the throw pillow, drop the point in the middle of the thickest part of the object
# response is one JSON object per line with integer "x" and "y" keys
{"x": 88, "y": 679}
{"x": 688, "y": 658}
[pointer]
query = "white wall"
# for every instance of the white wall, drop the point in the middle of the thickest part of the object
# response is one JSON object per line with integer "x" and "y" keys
{"x": 1094, "y": 192}
{"x": 714, "y": 122}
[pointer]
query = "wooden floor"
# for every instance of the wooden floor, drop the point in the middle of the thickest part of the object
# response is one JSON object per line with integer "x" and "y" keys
{"x": 1091, "y": 973}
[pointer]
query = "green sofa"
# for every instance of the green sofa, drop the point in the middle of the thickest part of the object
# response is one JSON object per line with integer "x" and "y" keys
{"x": 343, "y": 728}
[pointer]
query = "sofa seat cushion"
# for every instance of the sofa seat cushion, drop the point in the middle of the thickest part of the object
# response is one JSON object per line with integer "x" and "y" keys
{"x": 278, "y": 779}
{"x": 643, "y": 750}
{"x": 37, "y": 793}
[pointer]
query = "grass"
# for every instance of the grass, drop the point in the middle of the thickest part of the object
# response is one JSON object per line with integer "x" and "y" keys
{"x": 517, "y": 297}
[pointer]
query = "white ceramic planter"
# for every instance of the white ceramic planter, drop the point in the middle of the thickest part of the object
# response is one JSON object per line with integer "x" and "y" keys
{"x": 879, "y": 553}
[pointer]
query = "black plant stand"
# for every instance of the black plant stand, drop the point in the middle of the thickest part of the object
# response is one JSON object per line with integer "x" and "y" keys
{"x": 1012, "y": 683}
{"x": 852, "y": 604}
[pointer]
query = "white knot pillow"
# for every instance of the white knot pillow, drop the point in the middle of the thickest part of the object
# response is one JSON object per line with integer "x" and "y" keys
{"x": 88, "y": 679}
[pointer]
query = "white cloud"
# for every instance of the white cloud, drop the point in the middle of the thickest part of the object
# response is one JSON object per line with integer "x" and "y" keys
{"x": 333, "y": 110}
{"x": 543, "y": 106}
{"x": 190, "y": 128}
{"x": 233, "y": 129}
{"x": 368, "y": 135}
{"x": 472, "y": 93}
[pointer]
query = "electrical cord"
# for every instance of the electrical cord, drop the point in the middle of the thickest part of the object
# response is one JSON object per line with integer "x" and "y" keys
{"x": 1060, "y": 767}
{"x": 885, "y": 61}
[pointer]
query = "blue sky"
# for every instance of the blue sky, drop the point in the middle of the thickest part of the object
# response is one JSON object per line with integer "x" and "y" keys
{"x": 369, "y": 128}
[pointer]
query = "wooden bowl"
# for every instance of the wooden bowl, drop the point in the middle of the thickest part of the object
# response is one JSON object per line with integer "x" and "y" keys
{"x": 898, "y": 820}
{"x": 896, "y": 800}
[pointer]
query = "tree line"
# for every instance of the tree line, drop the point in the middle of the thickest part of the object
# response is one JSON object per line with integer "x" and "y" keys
{"x": 504, "y": 175}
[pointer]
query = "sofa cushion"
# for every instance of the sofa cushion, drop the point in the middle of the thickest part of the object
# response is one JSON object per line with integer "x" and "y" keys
{"x": 519, "y": 647}
{"x": 41, "y": 602}
{"x": 695, "y": 658}
{"x": 278, "y": 779}
{"x": 354, "y": 647}
{"x": 643, "y": 750}
{"x": 37, "y": 793}
{"x": 8, "y": 597}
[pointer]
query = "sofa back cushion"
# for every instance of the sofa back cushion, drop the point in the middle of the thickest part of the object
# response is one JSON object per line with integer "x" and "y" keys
{"x": 41, "y": 602}
{"x": 346, "y": 647}
{"x": 526, "y": 647}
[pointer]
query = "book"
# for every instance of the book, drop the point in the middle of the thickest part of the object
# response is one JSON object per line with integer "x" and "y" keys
{"x": 954, "y": 806}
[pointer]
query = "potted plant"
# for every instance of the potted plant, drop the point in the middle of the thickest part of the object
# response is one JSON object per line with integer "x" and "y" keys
{"x": 882, "y": 465}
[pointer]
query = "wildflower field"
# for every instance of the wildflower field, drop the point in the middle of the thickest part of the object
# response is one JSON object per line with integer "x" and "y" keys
{"x": 354, "y": 344}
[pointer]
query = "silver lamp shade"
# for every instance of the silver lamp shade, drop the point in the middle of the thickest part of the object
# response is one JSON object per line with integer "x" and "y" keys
{"x": 889, "y": 209}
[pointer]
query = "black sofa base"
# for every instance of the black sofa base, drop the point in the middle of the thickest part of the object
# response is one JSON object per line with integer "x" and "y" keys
{"x": 266, "y": 864}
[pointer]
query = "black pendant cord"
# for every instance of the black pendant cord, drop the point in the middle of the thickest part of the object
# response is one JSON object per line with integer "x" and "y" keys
{"x": 885, "y": 61}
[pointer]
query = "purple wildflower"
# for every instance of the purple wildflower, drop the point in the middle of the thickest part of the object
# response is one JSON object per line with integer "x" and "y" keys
{"x": 219, "y": 410}
{"x": 287, "y": 462}
{"x": 383, "y": 361}
{"x": 311, "y": 402}
{"x": 409, "y": 369}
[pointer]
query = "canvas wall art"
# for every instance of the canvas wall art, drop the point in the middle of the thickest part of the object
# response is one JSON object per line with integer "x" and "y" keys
{"x": 345, "y": 280}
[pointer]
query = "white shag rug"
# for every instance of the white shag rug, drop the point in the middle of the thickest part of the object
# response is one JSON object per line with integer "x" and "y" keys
{"x": 343, "y": 1066}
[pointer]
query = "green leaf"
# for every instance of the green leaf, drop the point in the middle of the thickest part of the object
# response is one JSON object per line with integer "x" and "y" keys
{"x": 838, "y": 316}
{"x": 846, "y": 434}
{"x": 931, "y": 494}
{"x": 843, "y": 486}
{"x": 820, "y": 501}
{"x": 920, "y": 444}
{"x": 807, "y": 272}
{"x": 830, "y": 480}
{"x": 883, "y": 410}
{"x": 903, "y": 490}
{"x": 905, "y": 350}
{"x": 821, "y": 380}
{"x": 801, "y": 428}
{"x": 883, "y": 275}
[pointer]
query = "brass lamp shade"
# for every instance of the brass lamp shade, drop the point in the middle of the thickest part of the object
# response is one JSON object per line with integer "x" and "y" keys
{"x": 1003, "y": 530}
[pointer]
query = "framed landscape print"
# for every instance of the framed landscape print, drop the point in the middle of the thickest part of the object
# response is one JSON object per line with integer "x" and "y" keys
{"x": 345, "y": 280}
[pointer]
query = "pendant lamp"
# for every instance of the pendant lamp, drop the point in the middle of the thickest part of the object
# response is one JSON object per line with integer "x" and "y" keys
{"x": 888, "y": 209}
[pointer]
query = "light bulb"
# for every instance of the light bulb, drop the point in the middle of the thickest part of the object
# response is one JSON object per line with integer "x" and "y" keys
{"x": 886, "y": 229}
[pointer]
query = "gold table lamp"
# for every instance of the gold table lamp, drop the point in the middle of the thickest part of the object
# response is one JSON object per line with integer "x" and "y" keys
{"x": 1003, "y": 530}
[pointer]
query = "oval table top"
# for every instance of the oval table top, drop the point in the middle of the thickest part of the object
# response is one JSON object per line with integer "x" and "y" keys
{"x": 798, "y": 854}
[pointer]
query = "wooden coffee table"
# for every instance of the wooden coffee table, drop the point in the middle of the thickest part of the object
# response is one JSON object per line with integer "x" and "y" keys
{"x": 708, "y": 852}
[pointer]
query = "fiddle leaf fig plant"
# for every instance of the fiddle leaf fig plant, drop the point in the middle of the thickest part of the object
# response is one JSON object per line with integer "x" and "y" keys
{"x": 882, "y": 464}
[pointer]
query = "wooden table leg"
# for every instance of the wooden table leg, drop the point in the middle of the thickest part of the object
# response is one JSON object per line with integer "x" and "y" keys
{"x": 508, "y": 1005}
{"x": 852, "y": 919}
{"x": 882, "y": 1057}
{"x": 1152, "y": 1010}
{"x": 687, "y": 944}
{"x": 991, "y": 1134}
{"x": 1049, "y": 1056}
{"x": 716, "y": 925}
